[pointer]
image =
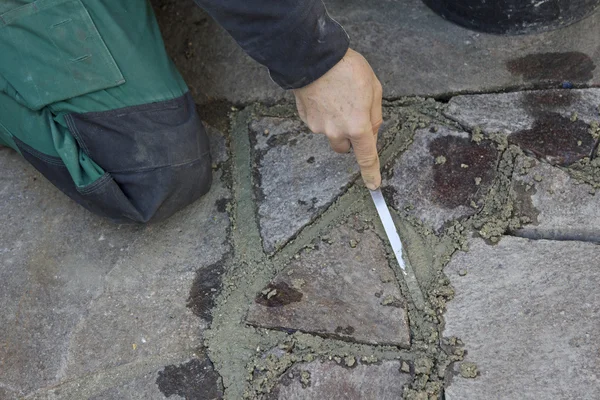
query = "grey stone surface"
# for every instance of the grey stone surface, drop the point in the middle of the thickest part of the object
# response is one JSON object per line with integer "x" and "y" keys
{"x": 558, "y": 205}
{"x": 551, "y": 124}
{"x": 528, "y": 314}
{"x": 441, "y": 175}
{"x": 80, "y": 295}
{"x": 218, "y": 144}
{"x": 141, "y": 388}
{"x": 299, "y": 176}
{"x": 511, "y": 112}
{"x": 344, "y": 289}
{"x": 413, "y": 51}
{"x": 331, "y": 381}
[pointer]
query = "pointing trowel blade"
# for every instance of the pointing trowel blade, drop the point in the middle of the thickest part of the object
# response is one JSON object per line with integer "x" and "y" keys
{"x": 388, "y": 225}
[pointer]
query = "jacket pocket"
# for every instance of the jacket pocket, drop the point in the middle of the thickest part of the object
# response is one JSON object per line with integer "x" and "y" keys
{"x": 51, "y": 51}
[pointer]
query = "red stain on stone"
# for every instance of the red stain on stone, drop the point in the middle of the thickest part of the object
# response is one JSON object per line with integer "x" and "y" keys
{"x": 556, "y": 139}
{"x": 454, "y": 181}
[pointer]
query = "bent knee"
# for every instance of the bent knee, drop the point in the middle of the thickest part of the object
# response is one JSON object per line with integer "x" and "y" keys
{"x": 156, "y": 155}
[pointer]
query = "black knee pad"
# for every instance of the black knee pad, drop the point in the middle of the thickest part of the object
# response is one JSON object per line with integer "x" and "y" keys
{"x": 156, "y": 157}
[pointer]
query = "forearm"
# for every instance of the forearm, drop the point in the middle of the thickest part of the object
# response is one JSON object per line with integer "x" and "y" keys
{"x": 296, "y": 39}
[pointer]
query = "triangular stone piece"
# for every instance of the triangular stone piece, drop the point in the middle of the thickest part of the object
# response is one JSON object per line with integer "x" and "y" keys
{"x": 343, "y": 288}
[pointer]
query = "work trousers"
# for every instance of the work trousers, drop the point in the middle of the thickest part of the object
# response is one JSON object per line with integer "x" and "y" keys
{"x": 89, "y": 97}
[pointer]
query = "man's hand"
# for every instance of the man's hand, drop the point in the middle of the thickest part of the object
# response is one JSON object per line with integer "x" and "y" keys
{"x": 345, "y": 105}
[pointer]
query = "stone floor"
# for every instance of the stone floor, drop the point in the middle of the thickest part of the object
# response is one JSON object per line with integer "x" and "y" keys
{"x": 280, "y": 283}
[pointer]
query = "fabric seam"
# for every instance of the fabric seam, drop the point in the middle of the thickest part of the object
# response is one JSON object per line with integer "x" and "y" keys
{"x": 130, "y": 171}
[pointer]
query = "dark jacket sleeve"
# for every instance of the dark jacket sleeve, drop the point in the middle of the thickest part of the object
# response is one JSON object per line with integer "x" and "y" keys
{"x": 296, "y": 39}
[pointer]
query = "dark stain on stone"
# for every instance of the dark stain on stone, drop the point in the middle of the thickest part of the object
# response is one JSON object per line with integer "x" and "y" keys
{"x": 222, "y": 205}
{"x": 282, "y": 140}
{"x": 453, "y": 183}
{"x": 340, "y": 330}
{"x": 313, "y": 204}
{"x": 539, "y": 101}
{"x": 206, "y": 286}
{"x": 555, "y": 138}
{"x": 284, "y": 294}
{"x": 389, "y": 193}
{"x": 310, "y": 160}
{"x": 571, "y": 66}
{"x": 193, "y": 380}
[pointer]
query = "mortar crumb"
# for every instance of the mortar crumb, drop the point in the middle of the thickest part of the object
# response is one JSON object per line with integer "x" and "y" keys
{"x": 439, "y": 160}
{"x": 468, "y": 370}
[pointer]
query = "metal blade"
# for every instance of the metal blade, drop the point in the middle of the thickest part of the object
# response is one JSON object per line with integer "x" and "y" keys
{"x": 388, "y": 225}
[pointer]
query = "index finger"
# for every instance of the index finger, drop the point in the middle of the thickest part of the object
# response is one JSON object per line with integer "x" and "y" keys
{"x": 365, "y": 150}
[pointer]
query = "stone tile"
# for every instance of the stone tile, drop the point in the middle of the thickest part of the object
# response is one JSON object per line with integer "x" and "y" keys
{"x": 298, "y": 174}
{"x": 441, "y": 175}
{"x": 218, "y": 144}
{"x": 80, "y": 295}
{"x": 328, "y": 380}
{"x": 8, "y": 394}
{"x": 551, "y": 125}
{"x": 344, "y": 288}
{"x": 528, "y": 314}
{"x": 559, "y": 207}
{"x": 140, "y": 388}
{"x": 412, "y": 50}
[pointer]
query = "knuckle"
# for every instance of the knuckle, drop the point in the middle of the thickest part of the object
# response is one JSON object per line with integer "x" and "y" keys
{"x": 358, "y": 133}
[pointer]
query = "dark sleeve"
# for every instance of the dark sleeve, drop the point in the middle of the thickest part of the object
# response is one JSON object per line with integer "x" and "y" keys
{"x": 296, "y": 39}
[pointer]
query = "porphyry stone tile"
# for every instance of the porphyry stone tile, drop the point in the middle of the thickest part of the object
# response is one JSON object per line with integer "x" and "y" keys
{"x": 143, "y": 387}
{"x": 81, "y": 295}
{"x": 343, "y": 288}
{"x": 412, "y": 50}
{"x": 527, "y": 312}
{"x": 298, "y": 177}
{"x": 550, "y": 124}
{"x": 218, "y": 144}
{"x": 332, "y": 381}
{"x": 442, "y": 176}
{"x": 558, "y": 206}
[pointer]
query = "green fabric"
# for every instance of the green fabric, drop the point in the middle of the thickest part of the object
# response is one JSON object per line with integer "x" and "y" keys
{"x": 77, "y": 56}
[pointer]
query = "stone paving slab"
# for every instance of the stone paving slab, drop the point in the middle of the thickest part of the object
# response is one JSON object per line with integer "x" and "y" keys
{"x": 442, "y": 176}
{"x": 141, "y": 388}
{"x": 412, "y": 50}
{"x": 559, "y": 206}
{"x": 298, "y": 176}
{"x": 551, "y": 125}
{"x": 332, "y": 381}
{"x": 81, "y": 295}
{"x": 343, "y": 288}
{"x": 528, "y": 314}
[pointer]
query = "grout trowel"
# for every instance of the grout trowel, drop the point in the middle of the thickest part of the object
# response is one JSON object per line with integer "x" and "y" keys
{"x": 388, "y": 225}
